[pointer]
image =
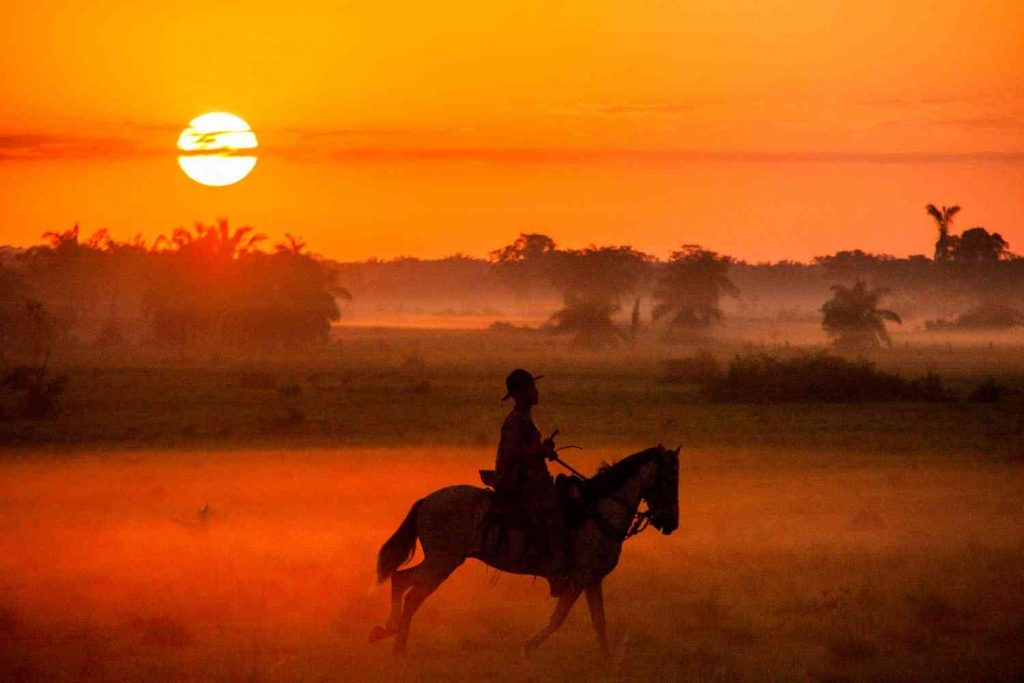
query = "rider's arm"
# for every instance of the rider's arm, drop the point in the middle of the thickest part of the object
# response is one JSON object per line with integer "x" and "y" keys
{"x": 536, "y": 448}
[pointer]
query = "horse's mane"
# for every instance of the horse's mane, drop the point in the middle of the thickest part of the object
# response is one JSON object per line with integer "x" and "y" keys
{"x": 611, "y": 477}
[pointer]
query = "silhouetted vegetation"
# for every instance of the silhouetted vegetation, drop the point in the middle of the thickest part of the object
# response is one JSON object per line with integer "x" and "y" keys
{"x": 593, "y": 281}
{"x": 210, "y": 287}
{"x": 979, "y": 246}
{"x": 989, "y": 317}
{"x": 853, "y": 320}
{"x": 815, "y": 377}
{"x": 988, "y": 391}
{"x": 943, "y": 218}
{"x": 214, "y": 289}
{"x": 690, "y": 287}
{"x": 526, "y": 266}
{"x": 35, "y": 388}
{"x": 700, "y": 370}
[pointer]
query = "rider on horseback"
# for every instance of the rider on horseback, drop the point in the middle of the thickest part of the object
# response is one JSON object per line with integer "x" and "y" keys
{"x": 523, "y": 485}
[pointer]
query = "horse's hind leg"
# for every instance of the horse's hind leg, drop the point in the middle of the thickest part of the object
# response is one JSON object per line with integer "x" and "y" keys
{"x": 401, "y": 582}
{"x": 424, "y": 580}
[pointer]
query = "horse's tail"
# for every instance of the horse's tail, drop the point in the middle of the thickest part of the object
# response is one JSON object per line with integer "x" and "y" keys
{"x": 398, "y": 549}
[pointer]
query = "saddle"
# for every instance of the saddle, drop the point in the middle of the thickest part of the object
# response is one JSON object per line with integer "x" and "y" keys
{"x": 522, "y": 542}
{"x": 488, "y": 477}
{"x": 570, "y": 490}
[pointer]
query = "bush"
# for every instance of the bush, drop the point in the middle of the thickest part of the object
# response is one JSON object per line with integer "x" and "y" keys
{"x": 989, "y": 391}
{"x": 992, "y": 317}
{"x": 506, "y": 326}
{"x": 41, "y": 390}
{"x": 700, "y": 369}
{"x": 815, "y": 377}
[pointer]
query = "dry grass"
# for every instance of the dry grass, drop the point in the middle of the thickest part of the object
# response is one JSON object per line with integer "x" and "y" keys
{"x": 787, "y": 566}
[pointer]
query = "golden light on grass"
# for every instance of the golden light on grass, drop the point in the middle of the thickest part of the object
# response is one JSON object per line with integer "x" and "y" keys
{"x": 217, "y": 149}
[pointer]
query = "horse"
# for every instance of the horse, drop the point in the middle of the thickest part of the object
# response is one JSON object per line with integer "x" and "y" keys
{"x": 450, "y": 524}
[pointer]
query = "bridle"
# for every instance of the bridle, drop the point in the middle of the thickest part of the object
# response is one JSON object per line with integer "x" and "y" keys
{"x": 640, "y": 520}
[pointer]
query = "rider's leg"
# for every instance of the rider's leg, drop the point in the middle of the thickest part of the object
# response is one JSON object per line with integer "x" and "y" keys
{"x": 559, "y": 552}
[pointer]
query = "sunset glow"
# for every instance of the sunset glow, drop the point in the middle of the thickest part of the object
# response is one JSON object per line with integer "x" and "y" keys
{"x": 769, "y": 130}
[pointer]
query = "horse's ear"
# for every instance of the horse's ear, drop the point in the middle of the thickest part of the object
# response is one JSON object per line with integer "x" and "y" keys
{"x": 679, "y": 448}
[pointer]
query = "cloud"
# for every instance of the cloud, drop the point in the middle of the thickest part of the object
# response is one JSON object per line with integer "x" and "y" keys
{"x": 661, "y": 156}
{"x": 647, "y": 108}
{"x": 43, "y": 146}
{"x": 348, "y": 132}
{"x": 991, "y": 122}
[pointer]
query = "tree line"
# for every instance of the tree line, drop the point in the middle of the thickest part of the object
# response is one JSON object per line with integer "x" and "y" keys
{"x": 209, "y": 286}
{"x": 971, "y": 271}
{"x": 215, "y": 287}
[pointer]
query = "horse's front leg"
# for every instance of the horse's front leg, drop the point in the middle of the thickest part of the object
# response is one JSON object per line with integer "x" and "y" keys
{"x": 562, "y": 609}
{"x": 595, "y": 601}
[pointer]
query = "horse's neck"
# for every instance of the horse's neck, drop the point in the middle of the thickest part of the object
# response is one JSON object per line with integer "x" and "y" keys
{"x": 628, "y": 494}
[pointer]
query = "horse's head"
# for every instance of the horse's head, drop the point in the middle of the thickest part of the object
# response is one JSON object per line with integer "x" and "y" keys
{"x": 662, "y": 495}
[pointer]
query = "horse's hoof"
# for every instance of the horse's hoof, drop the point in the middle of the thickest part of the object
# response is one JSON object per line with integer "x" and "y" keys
{"x": 380, "y": 632}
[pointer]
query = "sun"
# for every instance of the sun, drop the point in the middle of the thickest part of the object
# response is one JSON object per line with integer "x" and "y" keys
{"x": 217, "y": 149}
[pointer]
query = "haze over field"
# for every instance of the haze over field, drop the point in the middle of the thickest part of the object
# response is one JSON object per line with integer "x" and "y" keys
{"x": 787, "y": 566}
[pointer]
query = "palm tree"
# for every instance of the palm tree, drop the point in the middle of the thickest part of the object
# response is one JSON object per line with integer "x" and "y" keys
{"x": 853, "y": 319}
{"x": 691, "y": 286}
{"x": 943, "y": 217}
{"x": 215, "y": 241}
{"x": 291, "y": 245}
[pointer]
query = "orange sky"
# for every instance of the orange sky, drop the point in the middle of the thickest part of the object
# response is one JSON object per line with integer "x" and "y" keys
{"x": 771, "y": 129}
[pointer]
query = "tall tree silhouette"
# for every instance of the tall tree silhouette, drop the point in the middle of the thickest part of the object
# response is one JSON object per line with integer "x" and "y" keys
{"x": 978, "y": 245}
{"x": 691, "y": 287}
{"x": 943, "y": 219}
{"x": 853, "y": 319}
{"x": 291, "y": 245}
{"x": 525, "y": 266}
{"x": 592, "y": 282}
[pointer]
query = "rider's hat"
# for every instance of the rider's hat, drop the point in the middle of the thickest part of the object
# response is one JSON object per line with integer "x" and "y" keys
{"x": 518, "y": 380}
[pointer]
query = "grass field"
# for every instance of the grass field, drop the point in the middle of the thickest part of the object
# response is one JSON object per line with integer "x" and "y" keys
{"x": 817, "y": 542}
{"x": 787, "y": 566}
{"x": 431, "y": 387}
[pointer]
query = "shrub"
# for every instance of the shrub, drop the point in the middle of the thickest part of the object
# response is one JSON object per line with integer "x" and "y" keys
{"x": 991, "y": 317}
{"x": 41, "y": 390}
{"x": 989, "y": 391}
{"x": 700, "y": 369}
{"x": 815, "y": 377}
